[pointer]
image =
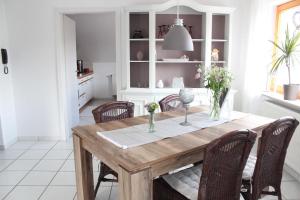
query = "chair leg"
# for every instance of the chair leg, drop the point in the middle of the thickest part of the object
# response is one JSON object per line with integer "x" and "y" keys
{"x": 279, "y": 194}
{"x": 98, "y": 185}
{"x": 246, "y": 189}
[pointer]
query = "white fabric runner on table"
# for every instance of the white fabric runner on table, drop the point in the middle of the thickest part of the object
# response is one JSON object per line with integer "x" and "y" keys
{"x": 138, "y": 135}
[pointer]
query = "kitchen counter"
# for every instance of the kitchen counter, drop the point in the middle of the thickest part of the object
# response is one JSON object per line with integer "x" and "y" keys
{"x": 82, "y": 75}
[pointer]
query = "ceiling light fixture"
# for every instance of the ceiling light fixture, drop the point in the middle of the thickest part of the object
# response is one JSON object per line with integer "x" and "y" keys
{"x": 178, "y": 38}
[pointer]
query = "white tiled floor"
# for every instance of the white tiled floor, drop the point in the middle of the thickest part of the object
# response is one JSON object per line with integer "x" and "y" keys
{"x": 43, "y": 170}
{"x": 50, "y": 174}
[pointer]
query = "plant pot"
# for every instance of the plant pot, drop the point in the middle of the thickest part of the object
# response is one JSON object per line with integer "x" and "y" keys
{"x": 290, "y": 91}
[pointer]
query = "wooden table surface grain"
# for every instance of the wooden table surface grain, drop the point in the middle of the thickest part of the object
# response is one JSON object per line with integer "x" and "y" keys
{"x": 145, "y": 162}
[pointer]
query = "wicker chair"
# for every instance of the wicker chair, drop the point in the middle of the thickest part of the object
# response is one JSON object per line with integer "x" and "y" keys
{"x": 109, "y": 112}
{"x": 266, "y": 170}
{"x": 221, "y": 172}
{"x": 171, "y": 102}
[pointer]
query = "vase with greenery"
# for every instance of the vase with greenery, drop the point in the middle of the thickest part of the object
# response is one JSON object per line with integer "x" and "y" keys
{"x": 286, "y": 55}
{"x": 151, "y": 107}
{"x": 218, "y": 81}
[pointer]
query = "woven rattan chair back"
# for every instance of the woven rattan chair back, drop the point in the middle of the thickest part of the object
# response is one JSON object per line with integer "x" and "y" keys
{"x": 113, "y": 111}
{"x": 224, "y": 162}
{"x": 171, "y": 102}
{"x": 109, "y": 112}
{"x": 271, "y": 155}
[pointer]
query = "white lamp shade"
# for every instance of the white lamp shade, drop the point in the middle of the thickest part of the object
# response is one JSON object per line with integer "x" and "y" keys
{"x": 178, "y": 38}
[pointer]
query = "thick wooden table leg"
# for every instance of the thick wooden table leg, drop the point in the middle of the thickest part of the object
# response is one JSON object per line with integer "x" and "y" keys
{"x": 136, "y": 186}
{"x": 84, "y": 171}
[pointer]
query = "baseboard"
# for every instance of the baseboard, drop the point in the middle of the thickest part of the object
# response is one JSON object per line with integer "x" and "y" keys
{"x": 292, "y": 172}
{"x": 39, "y": 138}
{"x": 8, "y": 144}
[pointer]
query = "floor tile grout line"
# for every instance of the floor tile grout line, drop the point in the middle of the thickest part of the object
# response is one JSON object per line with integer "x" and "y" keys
{"x": 53, "y": 177}
{"x": 34, "y": 142}
{"x": 14, "y": 160}
{"x": 27, "y": 171}
{"x": 110, "y": 192}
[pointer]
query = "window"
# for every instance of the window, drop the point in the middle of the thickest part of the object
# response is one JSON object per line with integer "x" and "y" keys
{"x": 287, "y": 15}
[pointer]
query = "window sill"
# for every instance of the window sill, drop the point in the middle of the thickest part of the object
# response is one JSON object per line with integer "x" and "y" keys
{"x": 278, "y": 100}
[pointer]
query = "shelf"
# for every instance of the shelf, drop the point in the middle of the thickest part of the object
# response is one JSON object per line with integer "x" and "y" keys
{"x": 220, "y": 61}
{"x": 139, "y": 39}
{"x": 219, "y": 40}
{"x": 139, "y": 61}
{"x": 180, "y": 62}
{"x": 194, "y": 40}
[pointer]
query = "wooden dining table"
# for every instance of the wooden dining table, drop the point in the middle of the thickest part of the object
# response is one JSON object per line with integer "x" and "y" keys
{"x": 137, "y": 167}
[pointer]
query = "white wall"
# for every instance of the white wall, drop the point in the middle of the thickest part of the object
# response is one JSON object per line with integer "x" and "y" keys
{"x": 31, "y": 29}
{"x": 8, "y": 128}
{"x": 96, "y": 37}
{"x": 32, "y": 54}
{"x": 96, "y": 46}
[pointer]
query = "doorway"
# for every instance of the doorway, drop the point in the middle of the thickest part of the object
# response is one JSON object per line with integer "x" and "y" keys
{"x": 90, "y": 59}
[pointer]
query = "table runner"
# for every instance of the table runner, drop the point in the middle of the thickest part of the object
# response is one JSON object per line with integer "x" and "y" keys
{"x": 138, "y": 135}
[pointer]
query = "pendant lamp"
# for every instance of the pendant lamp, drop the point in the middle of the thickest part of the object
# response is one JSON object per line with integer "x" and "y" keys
{"x": 178, "y": 38}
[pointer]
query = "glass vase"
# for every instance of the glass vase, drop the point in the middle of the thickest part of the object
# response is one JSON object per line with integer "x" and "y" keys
{"x": 215, "y": 109}
{"x": 151, "y": 122}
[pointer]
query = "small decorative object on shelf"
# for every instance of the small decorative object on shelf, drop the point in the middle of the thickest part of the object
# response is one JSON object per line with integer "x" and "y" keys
{"x": 165, "y": 29}
{"x": 177, "y": 82}
{"x": 185, "y": 58}
{"x": 137, "y": 34}
{"x": 190, "y": 31}
{"x": 215, "y": 55}
{"x": 186, "y": 97}
{"x": 160, "y": 32}
{"x": 218, "y": 80}
{"x": 200, "y": 74}
{"x": 151, "y": 107}
{"x": 160, "y": 84}
{"x": 139, "y": 55}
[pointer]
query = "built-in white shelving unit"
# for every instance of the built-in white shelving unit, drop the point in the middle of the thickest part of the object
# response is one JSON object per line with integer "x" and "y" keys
{"x": 210, "y": 29}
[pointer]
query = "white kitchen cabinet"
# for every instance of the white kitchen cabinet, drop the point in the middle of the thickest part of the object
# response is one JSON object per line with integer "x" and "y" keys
{"x": 85, "y": 90}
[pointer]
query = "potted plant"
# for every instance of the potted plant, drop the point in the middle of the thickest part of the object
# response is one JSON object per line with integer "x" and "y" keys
{"x": 218, "y": 80}
{"x": 285, "y": 56}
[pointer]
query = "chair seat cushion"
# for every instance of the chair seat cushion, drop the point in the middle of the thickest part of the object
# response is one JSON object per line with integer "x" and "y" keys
{"x": 186, "y": 181}
{"x": 249, "y": 168}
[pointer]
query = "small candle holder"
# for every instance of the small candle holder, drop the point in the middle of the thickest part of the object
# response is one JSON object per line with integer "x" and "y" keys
{"x": 185, "y": 123}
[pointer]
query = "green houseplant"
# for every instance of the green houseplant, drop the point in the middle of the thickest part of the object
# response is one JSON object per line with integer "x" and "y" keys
{"x": 218, "y": 80}
{"x": 285, "y": 56}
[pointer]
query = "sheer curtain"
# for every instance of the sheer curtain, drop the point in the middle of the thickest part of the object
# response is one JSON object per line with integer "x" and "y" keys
{"x": 259, "y": 53}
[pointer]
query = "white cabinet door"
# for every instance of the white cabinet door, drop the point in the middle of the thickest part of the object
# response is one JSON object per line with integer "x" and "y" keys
{"x": 85, "y": 90}
{"x": 71, "y": 73}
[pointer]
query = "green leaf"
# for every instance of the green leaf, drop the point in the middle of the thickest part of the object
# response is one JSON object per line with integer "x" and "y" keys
{"x": 287, "y": 49}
